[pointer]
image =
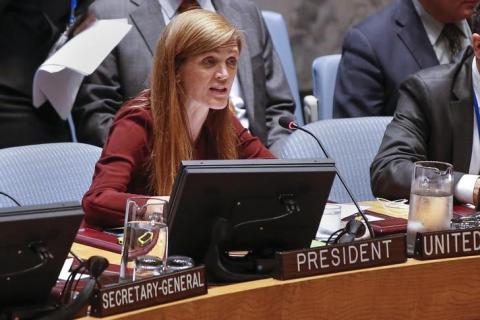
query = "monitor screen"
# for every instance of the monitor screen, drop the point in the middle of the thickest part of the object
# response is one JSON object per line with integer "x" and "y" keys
{"x": 34, "y": 243}
{"x": 270, "y": 204}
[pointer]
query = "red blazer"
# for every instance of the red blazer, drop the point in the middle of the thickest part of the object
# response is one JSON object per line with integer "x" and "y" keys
{"x": 121, "y": 171}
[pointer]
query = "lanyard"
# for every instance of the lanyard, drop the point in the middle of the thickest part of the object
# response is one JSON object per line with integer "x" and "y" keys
{"x": 73, "y": 6}
{"x": 477, "y": 112}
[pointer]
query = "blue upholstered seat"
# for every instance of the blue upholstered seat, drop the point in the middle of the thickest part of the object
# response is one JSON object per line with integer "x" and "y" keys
{"x": 46, "y": 173}
{"x": 324, "y": 75}
{"x": 351, "y": 142}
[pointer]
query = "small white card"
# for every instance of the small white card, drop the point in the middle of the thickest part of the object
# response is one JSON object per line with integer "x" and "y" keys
{"x": 65, "y": 272}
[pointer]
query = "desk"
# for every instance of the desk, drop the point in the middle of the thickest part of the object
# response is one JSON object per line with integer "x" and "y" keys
{"x": 438, "y": 289}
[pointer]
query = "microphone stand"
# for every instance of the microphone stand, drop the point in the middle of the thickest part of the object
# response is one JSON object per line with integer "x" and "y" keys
{"x": 360, "y": 211}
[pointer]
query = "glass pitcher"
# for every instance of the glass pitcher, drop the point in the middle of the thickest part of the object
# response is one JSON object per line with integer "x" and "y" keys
{"x": 431, "y": 199}
{"x": 145, "y": 238}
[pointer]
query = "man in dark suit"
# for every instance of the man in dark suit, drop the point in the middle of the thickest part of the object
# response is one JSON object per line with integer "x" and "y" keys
{"x": 435, "y": 120}
{"x": 27, "y": 31}
{"x": 125, "y": 72}
{"x": 387, "y": 47}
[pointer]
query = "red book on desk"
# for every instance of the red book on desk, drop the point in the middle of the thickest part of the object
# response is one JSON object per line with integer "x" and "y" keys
{"x": 463, "y": 210}
{"x": 391, "y": 225}
{"x": 98, "y": 239}
{"x": 388, "y": 225}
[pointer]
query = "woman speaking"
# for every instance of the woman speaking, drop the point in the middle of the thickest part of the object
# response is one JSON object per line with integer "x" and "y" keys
{"x": 186, "y": 114}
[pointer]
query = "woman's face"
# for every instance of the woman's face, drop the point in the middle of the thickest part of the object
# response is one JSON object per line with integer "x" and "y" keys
{"x": 206, "y": 79}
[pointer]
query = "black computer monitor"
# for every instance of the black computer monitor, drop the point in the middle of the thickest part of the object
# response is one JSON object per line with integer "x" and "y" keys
{"x": 34, "y": 243}
{"x": 254, "y": 197}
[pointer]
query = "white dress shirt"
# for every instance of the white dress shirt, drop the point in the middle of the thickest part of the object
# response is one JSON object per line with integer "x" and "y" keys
{"x": 434, "y": 28}
{"x": 464, "y": 187}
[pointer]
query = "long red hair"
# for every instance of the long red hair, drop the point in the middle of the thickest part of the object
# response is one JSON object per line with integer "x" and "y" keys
{"x": 189, "y": 34}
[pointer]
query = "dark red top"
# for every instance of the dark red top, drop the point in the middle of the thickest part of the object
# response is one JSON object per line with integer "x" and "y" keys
{"x": 120, "y": 173}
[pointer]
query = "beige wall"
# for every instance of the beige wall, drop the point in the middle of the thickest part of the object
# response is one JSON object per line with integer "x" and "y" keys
{"x": 317, "y": 27}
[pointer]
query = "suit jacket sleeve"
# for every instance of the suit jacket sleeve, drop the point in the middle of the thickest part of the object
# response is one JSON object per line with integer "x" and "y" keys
{"x": 98, "y": 100}
{"x": 407, "y": 140}
{"x": 3, "y": 4}
{"x": 279, "y": 99}
{"x": 359, "y": 89}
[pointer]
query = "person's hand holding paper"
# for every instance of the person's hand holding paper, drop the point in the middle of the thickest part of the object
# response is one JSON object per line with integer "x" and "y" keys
{"x": 59, "y": 77}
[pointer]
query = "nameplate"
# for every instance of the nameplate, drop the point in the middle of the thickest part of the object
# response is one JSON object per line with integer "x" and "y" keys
{"x": 341, "y": 257}
{"x": 133, "y": 295}
{"x": 447, "y": 244}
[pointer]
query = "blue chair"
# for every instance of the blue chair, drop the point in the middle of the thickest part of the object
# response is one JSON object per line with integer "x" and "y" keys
{"x": 278, "y": 31}
{"x": 351, "y": 142}
{"x": 46, "y": 173}
{"x": 324, "y": 73}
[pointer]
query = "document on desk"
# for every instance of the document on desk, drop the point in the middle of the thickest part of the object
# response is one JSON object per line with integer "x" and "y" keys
{"x": 349, "y": 209}
{"x": 65, "y": 272}
{"x": 59, "y": 77}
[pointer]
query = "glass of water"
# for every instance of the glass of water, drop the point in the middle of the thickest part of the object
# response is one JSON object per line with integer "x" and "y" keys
{"x": 145, "y": 240}
{"x": 431, "y": 199}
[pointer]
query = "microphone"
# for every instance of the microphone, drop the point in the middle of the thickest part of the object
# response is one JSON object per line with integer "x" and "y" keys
{"x": 289, "y": 123}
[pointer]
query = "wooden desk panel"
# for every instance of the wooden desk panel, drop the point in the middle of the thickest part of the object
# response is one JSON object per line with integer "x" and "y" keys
{"x": 441, "y": 289}
{"x": 86, "y": 252}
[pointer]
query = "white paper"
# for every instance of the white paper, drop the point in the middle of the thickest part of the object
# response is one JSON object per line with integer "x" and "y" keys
{"x": 373, "y": 218}
{"x": 349, "y": 209}
{"x": 65, "y": 273}
{"x": 346, "y": 210}
{"x": 59, "y": 77}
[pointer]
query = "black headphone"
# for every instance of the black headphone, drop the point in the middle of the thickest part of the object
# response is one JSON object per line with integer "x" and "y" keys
{"x": 95, "y": 265}
{"x": 354, "y": 229}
